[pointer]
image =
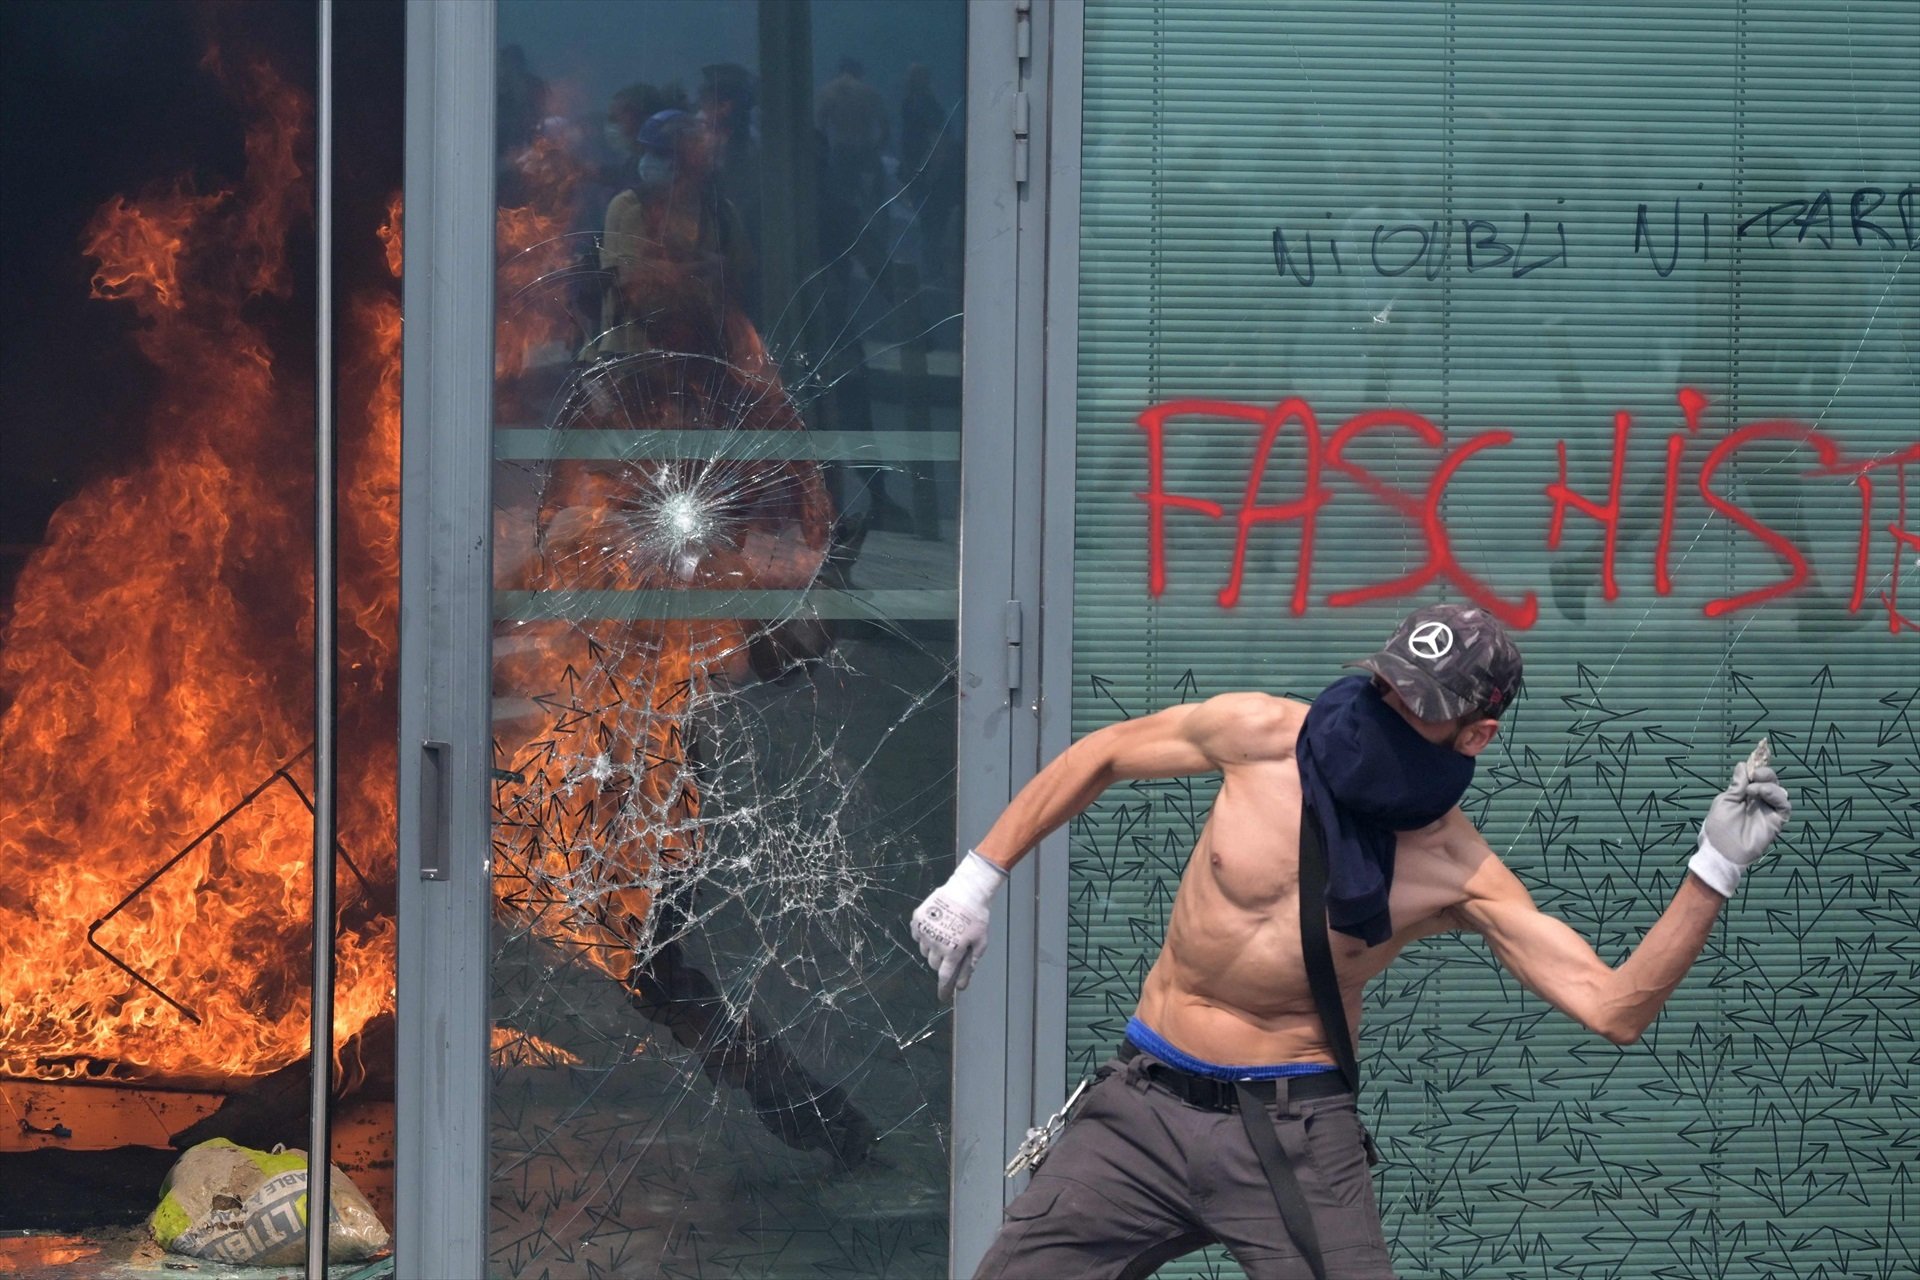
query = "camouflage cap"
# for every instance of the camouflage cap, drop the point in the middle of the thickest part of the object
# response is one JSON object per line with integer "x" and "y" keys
{"x": 1449, "y": 660}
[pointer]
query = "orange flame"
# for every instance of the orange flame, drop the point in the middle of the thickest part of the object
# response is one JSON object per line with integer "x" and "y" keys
{"x": 139, "y": 248}
{"x": 389, "y": 233}
{"x": 530, "y": 243}
{"x": 157, "y": 669}
{"x": 596, "y": 669}
{"x": 513, "y": 1048}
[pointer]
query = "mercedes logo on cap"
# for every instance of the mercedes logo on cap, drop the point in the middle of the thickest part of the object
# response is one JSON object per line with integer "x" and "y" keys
{"x": 1431, "y": 640}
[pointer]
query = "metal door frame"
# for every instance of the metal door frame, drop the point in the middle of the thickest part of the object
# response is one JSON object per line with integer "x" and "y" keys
{"x": 446, "y": 607}
{"x": 1014, "y": 677}
{"x": 1016, "y": 580}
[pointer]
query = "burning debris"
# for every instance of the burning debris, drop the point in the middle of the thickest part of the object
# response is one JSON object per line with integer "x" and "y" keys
{"x": 156, "y": 665}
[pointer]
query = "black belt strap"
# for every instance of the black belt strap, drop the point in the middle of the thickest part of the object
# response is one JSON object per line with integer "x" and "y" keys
{"x": 1319, "y": 955}
{"x": 1281, "y": 1179}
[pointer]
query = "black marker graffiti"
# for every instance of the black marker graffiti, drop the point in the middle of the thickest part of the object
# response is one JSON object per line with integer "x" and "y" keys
{"x": 1875, "y": 218}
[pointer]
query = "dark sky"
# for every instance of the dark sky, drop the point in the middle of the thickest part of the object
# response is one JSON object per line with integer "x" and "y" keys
{"x": 107, "y": 97}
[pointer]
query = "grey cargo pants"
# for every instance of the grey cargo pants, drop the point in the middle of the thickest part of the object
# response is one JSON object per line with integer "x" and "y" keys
{"x": 1140, "y": 1177}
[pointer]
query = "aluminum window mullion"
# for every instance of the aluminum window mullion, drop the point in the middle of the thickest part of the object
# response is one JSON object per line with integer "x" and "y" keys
{"x": 989, "y": 1050}
{"x": 1060, "y": 339}
{"x": 1012, "y": 1019}
{"x": 446, "y": 556}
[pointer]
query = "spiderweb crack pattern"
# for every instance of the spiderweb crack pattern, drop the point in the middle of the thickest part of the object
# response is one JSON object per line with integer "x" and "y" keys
{"x": 722, "y": 775}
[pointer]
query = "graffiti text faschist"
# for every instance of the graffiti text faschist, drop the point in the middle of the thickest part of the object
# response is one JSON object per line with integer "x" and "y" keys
{"x": 1885, "y": 522}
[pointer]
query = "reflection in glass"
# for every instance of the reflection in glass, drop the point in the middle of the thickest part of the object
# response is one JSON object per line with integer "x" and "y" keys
{"x": 726, "y": 402}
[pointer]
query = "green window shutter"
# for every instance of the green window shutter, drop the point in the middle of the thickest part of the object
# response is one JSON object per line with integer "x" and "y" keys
{"x": 1764, "y": 1124}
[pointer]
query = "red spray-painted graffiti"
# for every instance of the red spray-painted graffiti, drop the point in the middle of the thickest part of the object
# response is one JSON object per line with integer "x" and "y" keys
{"x": 1325, "y": 454}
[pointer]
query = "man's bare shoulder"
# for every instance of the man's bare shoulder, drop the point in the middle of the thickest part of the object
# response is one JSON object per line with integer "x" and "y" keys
{"x": 1438, "y": 869}
{"x": 1247, "y": 727}
{"x": 1452, "y": 863}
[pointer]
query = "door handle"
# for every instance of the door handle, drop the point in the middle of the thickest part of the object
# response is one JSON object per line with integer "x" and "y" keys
{"x": 436, "y": 814}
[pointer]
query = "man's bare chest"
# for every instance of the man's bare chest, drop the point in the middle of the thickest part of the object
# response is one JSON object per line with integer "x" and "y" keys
{"x": 1244, "y": 877}
{"x": 1248, "y": 856}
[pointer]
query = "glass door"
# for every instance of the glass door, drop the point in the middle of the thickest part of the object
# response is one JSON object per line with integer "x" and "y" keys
{"x": 725, "y": 499}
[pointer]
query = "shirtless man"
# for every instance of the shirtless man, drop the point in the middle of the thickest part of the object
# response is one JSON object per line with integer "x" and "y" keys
{"x": 1163, "y": 1155}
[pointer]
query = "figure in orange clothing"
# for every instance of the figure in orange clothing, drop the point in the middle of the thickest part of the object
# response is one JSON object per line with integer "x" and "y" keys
{"x": 599, "y": 822}
{"x": 677, "y": 254}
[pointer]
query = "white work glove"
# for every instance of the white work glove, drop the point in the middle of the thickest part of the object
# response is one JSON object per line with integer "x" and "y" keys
{"x": 1741, "y": 824}
{"x": 951, "y": 925}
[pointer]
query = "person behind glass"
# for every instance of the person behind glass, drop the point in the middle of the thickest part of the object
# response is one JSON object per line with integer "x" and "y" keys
{"x": 852, "y": 118}
{"x": 1224, "y": 1116}
{"x": 675, "y": 353}
{"x": 930, "y": 169}
{"x": 726, "y": 103}
{"x": 921, "y": 118}
{"x": 674, "y": 253}
{"x": 627, "y": 110}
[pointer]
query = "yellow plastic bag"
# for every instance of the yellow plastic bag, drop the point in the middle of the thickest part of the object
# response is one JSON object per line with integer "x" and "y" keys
{"x": 228, "y": 1203}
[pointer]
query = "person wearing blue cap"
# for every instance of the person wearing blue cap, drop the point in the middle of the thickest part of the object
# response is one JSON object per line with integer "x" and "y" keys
{"x": 1336, "y": 839}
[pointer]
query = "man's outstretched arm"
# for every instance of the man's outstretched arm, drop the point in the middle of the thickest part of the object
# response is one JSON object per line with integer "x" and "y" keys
{"x": 1557, "y": 964}
{"x": 1196, "y": 737}
{"x": 951, "y": 925}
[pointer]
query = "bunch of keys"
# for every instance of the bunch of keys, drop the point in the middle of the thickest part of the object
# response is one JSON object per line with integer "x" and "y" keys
{"x": 1034, "y": 1148}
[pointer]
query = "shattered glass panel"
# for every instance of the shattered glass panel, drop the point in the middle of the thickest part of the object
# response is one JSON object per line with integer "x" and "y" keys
{"x": 725, "y": 581}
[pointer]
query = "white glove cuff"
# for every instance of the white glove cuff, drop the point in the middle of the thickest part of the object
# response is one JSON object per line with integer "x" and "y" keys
{"x": 975, "y": 881}
{"x": 1715, "y": 869}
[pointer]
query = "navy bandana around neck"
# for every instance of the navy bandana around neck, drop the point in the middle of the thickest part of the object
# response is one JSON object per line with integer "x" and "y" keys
{"x": 1366, "y": 773}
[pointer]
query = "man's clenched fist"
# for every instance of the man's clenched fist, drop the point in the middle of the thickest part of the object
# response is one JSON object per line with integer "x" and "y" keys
{"x": 951, "y": 925}
{"x": 1741, "y": 824}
